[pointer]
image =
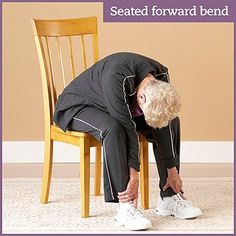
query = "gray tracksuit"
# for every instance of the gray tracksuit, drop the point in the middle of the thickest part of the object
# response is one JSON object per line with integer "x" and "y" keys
{"x": 99, "y": 101}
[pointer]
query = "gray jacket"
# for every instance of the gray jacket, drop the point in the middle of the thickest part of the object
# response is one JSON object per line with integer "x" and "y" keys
{"x": 109, "y": 85}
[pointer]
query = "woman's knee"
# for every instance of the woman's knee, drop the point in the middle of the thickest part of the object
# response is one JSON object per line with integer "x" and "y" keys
{"x": 114, "y": 127}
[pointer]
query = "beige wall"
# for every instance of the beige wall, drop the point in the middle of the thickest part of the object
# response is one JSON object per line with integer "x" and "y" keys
{"x": 199, "y": 57}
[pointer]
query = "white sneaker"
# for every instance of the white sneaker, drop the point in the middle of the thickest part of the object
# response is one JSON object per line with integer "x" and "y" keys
{"x": 177, "y": 206}
{"x": 131, "y": 218}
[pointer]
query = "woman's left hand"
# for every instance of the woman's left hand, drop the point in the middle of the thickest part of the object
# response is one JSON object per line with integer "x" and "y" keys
{"x": 174, "y": 181}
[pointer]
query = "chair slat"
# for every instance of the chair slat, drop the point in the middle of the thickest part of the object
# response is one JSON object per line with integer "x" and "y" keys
{"x": 83, "y": 52}
{"x": 51, "y": 71}
{"x": 71, "y": 57}
{"x": 95, "y": 47}
{"x": 46, "y": 84}
{"x": 61, "y": 61}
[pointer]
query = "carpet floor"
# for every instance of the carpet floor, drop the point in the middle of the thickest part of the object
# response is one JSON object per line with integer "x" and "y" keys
{"x": 22, "y": 212}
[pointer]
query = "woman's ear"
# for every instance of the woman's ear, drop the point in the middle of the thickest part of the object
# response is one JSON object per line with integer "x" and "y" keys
{"x": 141, "y": 98}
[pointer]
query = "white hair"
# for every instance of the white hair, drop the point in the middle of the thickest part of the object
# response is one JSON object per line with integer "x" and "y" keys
{"x": 162, "y": 103}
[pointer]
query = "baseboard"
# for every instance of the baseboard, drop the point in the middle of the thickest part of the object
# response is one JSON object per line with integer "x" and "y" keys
{"x": 71, "y": 170}
{"x": 191, "y": 152}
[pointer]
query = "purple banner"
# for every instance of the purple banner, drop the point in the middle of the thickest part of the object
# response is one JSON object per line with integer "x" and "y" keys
{"x": 169, "y": 11}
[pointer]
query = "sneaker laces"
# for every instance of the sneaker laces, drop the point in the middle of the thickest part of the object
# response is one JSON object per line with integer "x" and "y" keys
{"x": 179, "y": 202}
{"x": 135, "y": 213}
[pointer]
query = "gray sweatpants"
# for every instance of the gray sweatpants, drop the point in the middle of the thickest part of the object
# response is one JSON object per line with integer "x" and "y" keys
{"x": 166, "y": 146}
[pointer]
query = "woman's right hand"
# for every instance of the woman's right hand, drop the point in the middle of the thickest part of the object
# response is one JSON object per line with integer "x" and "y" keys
{"x": 131, "y": 192}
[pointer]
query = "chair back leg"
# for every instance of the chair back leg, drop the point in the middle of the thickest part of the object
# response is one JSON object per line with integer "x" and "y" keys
{"x": 97, "y": 178}
{"x": 47, "y": 170}
{"x": 144, "y": 175}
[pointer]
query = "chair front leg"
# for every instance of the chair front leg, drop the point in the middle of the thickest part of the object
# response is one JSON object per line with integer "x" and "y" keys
{"x": 84, "y": 175}
{"x": 97, "y": 181}
{"x": 47, "y": 170}
{"x": 144, "y": 175}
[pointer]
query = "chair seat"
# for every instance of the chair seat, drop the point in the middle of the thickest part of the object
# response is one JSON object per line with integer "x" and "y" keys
{"x": 72, "y": 137}
{"x": 55, "y": 128}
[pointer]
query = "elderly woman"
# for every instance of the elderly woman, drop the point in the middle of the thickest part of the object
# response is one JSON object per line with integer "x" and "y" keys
{"x": 119, "y": 95}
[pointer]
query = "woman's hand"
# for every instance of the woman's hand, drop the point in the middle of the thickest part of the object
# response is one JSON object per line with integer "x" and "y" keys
{"x": 174, "y": 181}
{"x": 131, "y": 192}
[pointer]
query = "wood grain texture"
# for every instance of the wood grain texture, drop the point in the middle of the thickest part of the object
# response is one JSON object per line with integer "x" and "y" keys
{"x": 144, "y": 174}
{"x": 97, "y": 182}
{"x": 65, "y": 27}
{"x": 47, "y": 171}
{"x": 84, "y": 175}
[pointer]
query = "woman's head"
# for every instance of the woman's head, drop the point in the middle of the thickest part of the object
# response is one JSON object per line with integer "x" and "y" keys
{"x": 159, "y": 101}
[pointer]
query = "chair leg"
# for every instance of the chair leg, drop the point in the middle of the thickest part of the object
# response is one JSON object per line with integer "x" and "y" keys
{"x": 144, "y": 175}
{"x": 97, "y": 182}
{"x": 47, "y": 171}
{"x": 84, "y": 175}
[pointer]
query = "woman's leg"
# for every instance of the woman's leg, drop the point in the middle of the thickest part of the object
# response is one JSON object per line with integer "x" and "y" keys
{"x": 167, "y": 152}
{"x": 112, "y": 135}
{"x": 116, "y": 171}
{"x": 166, "y": 147}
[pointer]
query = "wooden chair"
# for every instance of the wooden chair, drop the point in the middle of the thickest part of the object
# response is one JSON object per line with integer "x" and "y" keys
{"x": 66, "y": 29}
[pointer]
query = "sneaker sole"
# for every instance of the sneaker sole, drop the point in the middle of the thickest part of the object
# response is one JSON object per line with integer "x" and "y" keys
{"x": 137, "y": 229}
{"x": 168, "y": 213}
{"x": 117, "y": 224}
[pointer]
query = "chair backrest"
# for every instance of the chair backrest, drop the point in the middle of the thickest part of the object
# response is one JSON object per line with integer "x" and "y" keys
{"x": 61, "y": 56}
